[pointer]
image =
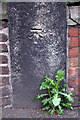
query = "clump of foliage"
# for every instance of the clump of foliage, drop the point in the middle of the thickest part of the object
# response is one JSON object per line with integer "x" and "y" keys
{"x": 55, "y": 99}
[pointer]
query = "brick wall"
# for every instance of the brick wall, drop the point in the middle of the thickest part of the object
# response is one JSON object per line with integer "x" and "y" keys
{"x": 73, "y": 62}
{"x": 5, "y": 78}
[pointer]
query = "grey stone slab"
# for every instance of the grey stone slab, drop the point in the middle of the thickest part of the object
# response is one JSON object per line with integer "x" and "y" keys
{"x": 37, "y": 34}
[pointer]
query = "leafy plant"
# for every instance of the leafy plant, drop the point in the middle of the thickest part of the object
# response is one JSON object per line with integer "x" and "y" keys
{"x": 56, "y": 98}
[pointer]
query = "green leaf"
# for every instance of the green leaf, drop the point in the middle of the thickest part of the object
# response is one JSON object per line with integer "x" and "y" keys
{"x": 60, "y": 111}
{"x": 40, "y": 96}
{"x": 70, "y": 93}
{"x": 67, "y": 105}
{"x": 59, "y": 75}
{"x": 69, "y": 96}
{"x": 37, "y": 97}
{"x": 45, "y": 108}
{"x": 42, "y": 86}
{"x": 56, "y": 101}
{"x": 53, "y": 91}
{"x": 45, "y": 101}
{"x": 45, "y": 85}
{"x": 63, "y": 88}
{"x": 47, "y": 79}
{"x": 51, "y": 111}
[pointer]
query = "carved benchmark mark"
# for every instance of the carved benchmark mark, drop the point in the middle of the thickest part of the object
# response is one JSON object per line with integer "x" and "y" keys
{"x": 36, "y": 30}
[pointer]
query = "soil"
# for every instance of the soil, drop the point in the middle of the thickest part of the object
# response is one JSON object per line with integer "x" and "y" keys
{"x": 37, "y": 113}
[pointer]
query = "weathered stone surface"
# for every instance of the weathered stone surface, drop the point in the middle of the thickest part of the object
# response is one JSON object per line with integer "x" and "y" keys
{"x": 38, "y": 47}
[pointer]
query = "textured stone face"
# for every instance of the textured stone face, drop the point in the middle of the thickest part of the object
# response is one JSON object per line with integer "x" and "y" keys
{"x": 38, "y": 47}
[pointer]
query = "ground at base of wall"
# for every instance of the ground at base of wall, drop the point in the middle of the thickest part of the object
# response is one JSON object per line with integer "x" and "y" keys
{"x": 37, "y": 113}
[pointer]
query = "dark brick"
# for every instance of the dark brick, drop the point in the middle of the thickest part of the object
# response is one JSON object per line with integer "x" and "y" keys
{"x": 3, "y": 48}
{"x": 5, "y": 91}
{"x": 4, "y": 81}
{"x": 4, "y": 70}
{"x": 6, "y": 101}
{"x": 3, "y": 59}
{"x": 3, "y": 37}
{"x": 3, "y": 24}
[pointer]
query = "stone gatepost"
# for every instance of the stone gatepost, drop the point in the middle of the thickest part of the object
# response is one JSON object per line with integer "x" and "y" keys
{"x": 37, "y": 34}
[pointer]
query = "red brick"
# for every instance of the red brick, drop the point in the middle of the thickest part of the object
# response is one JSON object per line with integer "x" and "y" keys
{"x": 3, "y": 37}
{"x": 74, "y": 42}
{"x": 73, "y": 52}
{"x": 1, "y": 84}
{"x": 3, "y": 59}
{"x": 73, "y": 31}
{"x": 76, "y": 91}
{"x": 3, "y": 48}
{"x": 4, "y": 70}
{"x": 78, "y": 79}
{"x": 72, "y": 72}
{"x": 73, "y": 62}
{"x": 6, "y": 101}
{"x": 5, "y": 91}
{"x": 74, "y": 82}
{"x": 4, "y": 81}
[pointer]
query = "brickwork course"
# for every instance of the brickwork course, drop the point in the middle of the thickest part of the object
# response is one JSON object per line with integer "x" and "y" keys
{"x": 5, "y": 74}
{"x": 73, "y": 62}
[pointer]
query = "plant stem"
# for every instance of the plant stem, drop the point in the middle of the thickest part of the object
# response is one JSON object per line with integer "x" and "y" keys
{"x": 50, "y": 97}
{"x": 49, "y": 93}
